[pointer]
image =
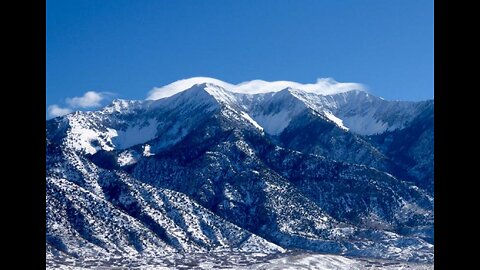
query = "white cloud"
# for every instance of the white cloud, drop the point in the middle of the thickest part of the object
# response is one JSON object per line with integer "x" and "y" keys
{"x": 324, "y": 86}
{"x": 180, "y": 85}
{"x": 88, "y": 100}
{"x": 55, "y": 110}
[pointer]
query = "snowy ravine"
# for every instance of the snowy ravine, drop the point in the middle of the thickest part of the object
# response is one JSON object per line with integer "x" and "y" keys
{"x": 259, "y": 175}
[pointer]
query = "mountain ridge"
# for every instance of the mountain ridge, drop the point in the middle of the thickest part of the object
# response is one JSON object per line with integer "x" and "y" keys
{"x": 287, "y": 168}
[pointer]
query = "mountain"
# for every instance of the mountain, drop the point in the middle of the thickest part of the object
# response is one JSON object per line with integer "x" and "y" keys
{"x": 217, "y": 167}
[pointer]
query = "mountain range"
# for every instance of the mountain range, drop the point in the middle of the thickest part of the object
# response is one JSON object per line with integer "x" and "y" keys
{"x": 211, "y": 167}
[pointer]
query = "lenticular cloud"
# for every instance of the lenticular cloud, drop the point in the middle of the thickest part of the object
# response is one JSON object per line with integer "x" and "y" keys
{"x": 323, "y": 86}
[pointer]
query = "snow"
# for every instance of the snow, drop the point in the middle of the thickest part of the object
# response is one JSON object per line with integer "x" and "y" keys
{"x": 181, "y": 85}
{"x": 127, "y": 158}
{"x": 85, "y": 138}
{"x": 136, "y": 134}
{"x": 220, "y": 94}
{"x": 146, "y": 150}
{"x": 310, "y": 261}
{"x": 346, "y": 104}
{"x": 272, "y": 113}
{"x": 275, "y": 112}
{"x": 365, "y": 124}
{"x": 323, "y": 261}
{"x": 335, "y": 119}
{"x": 275, "y": 123}
{"x": 249, "y": 119}
{"x": 123, "y": 106}
{"x": 323, "y": 86}
{"x": 256, "y": 244}
{"x": 239, "y": 260}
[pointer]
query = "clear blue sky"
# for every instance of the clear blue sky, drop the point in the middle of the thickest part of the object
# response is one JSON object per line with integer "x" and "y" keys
{"x": 128, "y": 47}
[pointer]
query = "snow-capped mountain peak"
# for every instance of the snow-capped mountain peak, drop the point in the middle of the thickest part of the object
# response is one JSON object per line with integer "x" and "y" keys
{"x": 125, "y": 106}
{"x": 271, "y": 112}
{"x": 198, "y": 94}
{"x": 182, "y": 85}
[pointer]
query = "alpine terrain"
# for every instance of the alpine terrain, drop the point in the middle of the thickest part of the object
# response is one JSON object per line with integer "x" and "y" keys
{"x": 208, "y": 174}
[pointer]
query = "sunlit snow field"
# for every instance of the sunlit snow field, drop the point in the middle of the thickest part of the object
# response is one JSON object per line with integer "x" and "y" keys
{"x": 243, "y": 261}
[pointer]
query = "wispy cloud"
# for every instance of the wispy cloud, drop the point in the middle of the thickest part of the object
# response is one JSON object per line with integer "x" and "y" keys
{"x": 55, "y": 110}
{"x": 90, "y": 99}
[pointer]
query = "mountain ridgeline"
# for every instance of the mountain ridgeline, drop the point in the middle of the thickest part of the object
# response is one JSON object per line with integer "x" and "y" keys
{"x": 208, "y": 169}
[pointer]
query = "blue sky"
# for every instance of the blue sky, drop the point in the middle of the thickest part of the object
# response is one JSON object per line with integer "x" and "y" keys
{"x": 124, "y": 48}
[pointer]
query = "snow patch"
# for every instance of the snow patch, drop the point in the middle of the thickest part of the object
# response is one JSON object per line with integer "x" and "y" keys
{"x": 335, "y": 119}
{"x": 86, "y": 139}
{"x": 127, "y": 158}
{"x": 249, "y": 119}
{"x": 365, "y": 124}
{"x": 134, "y": 135}
{"x": 146, "y": 150}
{"x": 274, "y": 124}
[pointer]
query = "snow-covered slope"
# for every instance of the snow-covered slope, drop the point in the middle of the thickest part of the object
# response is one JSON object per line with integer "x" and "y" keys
{"x": 253, "y": 167}
{"x": 271, "y": 110}
{"x": 347, "y": 104}
{"x": 93, "y": 211}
